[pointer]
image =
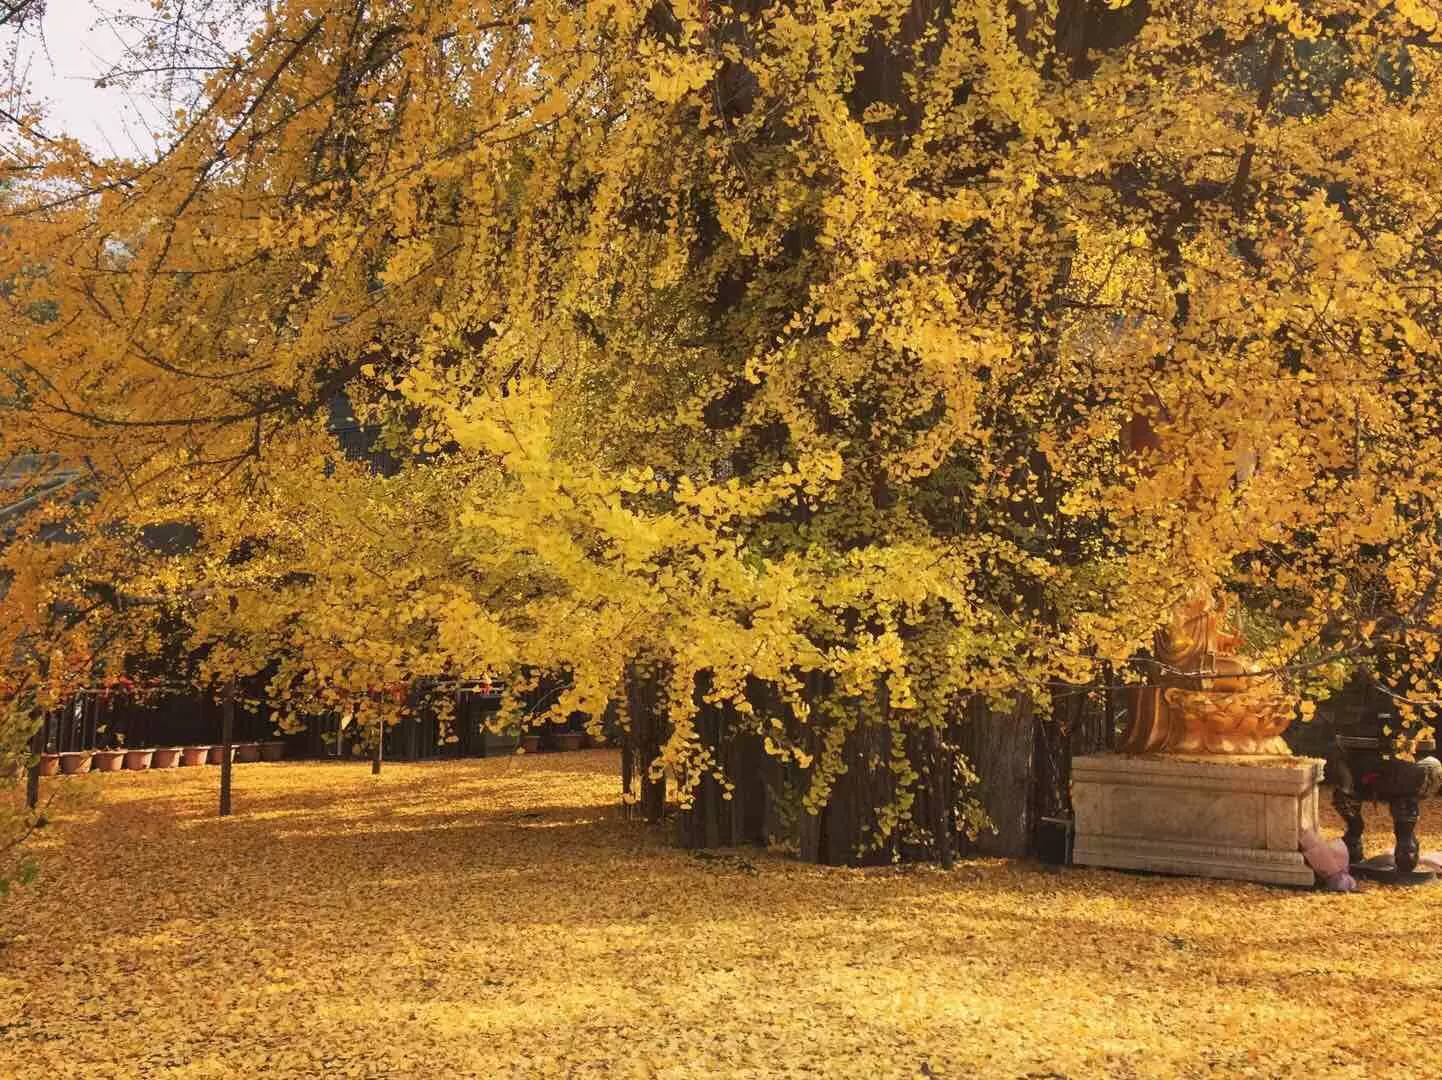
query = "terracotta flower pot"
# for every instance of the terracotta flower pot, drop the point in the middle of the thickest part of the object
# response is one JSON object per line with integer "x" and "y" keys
{"x": 49, "y": 764}
{"x": 247, "y": 751}
{"x": 530, "y": 744}
{"x": 109, "y": 760}
{"x": 137, "y": 760}
{"x": 194, "y": 755}
{"x": 217, "y": 754}
{"x": 273, "y": 750}
{"x": 166, "y": 757}
{"x": 75, "y": 761}
{"x": 567, "y": 740}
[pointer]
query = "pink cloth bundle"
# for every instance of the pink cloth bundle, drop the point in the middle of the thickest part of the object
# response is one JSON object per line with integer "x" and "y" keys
{"x": 1328, "y": 860}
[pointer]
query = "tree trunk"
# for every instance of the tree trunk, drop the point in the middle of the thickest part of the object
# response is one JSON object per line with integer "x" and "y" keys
{"x": 32, "y": 774}
{"x": 848, "y": 823}
{"x": 1109, "y": 707}
{"x": 1001, "y": 747}
{"x": 628, "y": 766}
{"x": 653, "y": 788}
{"x": 227, "y": 736}
{"x": 645, "y": 738}
{"x": 745, "y": 763}
{"x": 714, "y": 820}
{"x": 934, "y": 801}
{"x": 699, "y": 825}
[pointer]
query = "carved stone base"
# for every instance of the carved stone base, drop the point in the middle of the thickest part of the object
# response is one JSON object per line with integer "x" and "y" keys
{"x": 1226, "y": 817}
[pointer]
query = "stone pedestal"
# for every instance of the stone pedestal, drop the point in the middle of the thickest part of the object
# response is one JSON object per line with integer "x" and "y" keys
{"x": 1227, "y": 817}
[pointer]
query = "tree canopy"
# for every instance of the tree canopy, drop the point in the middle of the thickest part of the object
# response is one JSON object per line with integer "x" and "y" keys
{"x": 789, "y": 350}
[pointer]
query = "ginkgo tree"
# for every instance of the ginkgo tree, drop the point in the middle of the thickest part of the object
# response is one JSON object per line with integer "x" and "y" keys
{"x": 764, "y": 367}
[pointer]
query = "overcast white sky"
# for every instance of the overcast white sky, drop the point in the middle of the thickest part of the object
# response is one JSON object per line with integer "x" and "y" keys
{"x": 80, "y": 41}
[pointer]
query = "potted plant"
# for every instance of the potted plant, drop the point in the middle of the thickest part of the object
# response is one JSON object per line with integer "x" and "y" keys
{"x": 247, "y": 751}
{"x": 493, "y": 744}
{"x": 194, "y": 755}
{"x": 49, "y": 764}
{"x": 272, "y": 750}
{"x": 109, "y": 760}
{"x": 75, "y": 761}
{"x": 166, "y": 757}
{"x": 217, "y": 754}
{"x": 138, "y": 760}
{"x": 567, "y": 740}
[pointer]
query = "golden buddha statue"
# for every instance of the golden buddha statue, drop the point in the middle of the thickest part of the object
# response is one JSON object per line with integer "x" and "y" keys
{"x": 1204, "y": 697}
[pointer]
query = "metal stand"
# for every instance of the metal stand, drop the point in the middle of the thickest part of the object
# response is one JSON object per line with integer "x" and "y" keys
{"x": 1366, "y": 772}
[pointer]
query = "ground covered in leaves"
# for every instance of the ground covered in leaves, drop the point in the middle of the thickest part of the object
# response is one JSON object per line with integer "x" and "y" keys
{"x": 498, "y": 917}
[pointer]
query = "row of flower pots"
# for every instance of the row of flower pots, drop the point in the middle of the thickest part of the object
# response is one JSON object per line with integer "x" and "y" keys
{"x": 560, "y": 740}
{"x": 164, "y": 757}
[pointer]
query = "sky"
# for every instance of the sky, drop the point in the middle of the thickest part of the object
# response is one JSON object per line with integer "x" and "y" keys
{"x": 80, "y": 41}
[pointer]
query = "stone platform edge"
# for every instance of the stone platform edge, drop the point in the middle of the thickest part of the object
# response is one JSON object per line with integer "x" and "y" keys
{"x": 1193, "y": 860}
{"x": 1269, "y": 775}
{"x": 1230, "y": 818}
